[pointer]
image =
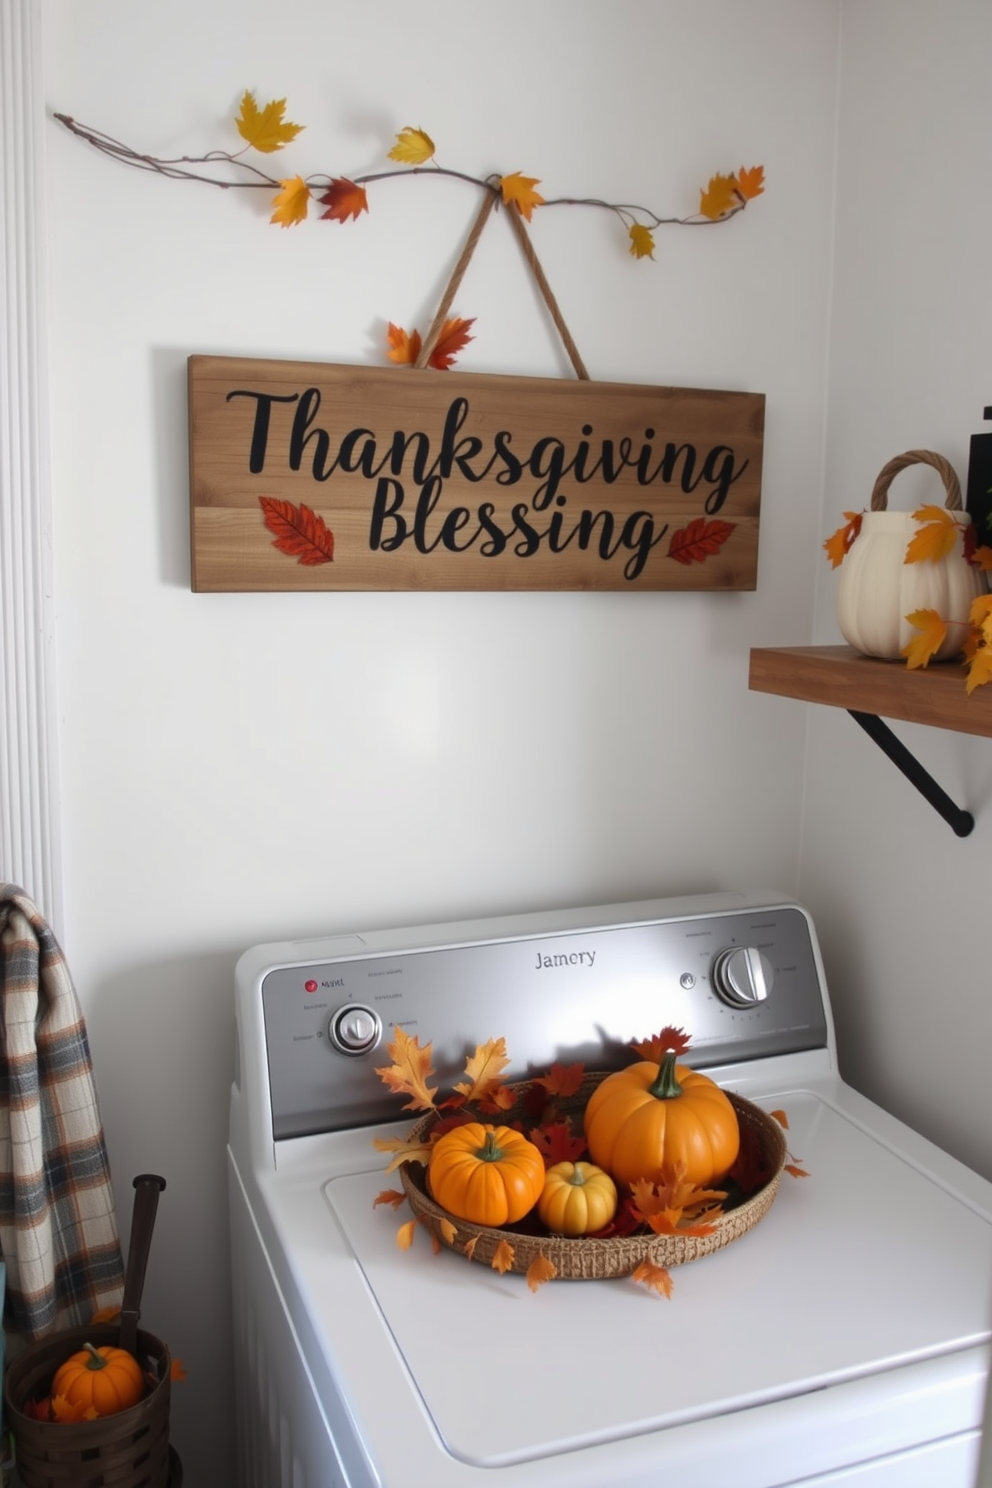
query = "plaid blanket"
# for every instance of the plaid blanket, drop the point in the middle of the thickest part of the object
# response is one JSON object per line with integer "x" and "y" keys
{"x": 58, "y": 1228}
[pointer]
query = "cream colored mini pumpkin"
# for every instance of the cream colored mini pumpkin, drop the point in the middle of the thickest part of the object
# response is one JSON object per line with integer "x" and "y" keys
{"x": 878, "y": 588}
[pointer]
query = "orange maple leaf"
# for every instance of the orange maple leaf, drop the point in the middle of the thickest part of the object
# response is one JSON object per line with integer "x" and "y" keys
{"x": 519, "y": 191}
{"x": 936, "y": 537}
{"x": 503, "y": 1257}
{"x": 669, "y": 1041}
{"x": 839, "y": 545}
{"x": 343, "y": 199}
{"x": 469, "y": 1247}
{"x": 410, "y": 1071}
{"x": 751, "y": 182}
{"x": 719, "y": 198}
{"x": 696, "y": 543}
{"x": 796, "y": 1171}
{"x": 484, "y": 1068}
{"x": 932, "y": 634}
{"x": 539, "y": 1271}
{"x": 781, "y": 1118}
{"x": 673, "y": 1205}
{"x": 448, "y": 1230}
{"x": 405, "y": 1234}
{"x": 392, "y": 1196}
{"x": 264, "y": 129}
{"x": 655, "y": 1277}
{"x": 299, "y": 532}
{"x": 496, "y": 1100}
{"x": 982, "y": 558}
{"x": 177, "y": 1372}
{"x": 562, "y": 1079}
{"x": 641, "y": 241}
{"x": 72, "y": 1410}
{"x": 292, "y": 202}
{"x": 453, "y": 338}
{"x": 403, "y": 348}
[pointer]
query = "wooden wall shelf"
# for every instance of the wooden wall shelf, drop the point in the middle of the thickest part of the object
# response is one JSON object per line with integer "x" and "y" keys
{"x": 841, "y": 677}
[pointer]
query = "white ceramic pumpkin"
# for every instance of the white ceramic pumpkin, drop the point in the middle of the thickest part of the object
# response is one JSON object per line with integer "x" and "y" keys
{"x": 878, "y": 588}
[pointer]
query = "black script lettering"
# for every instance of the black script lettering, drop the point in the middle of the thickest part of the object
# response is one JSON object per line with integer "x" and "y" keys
{"x": 512, "y": 467}
{"x": 722, "y": 471}
{"x": 638, "y": 534}
{"x": 554, "y": 470}
{"x": 496, "y": 542}
{"x": 302, "y": 434}
{"x": 346, "y": 454}
{"x": 457, "y": 452}
{"x": 430, "y": 495}
{"x": 531, "y": 537}
{"x": 398, "y": 451}
{"x": 260, "y": 429}
{"x": 386, "y": 507}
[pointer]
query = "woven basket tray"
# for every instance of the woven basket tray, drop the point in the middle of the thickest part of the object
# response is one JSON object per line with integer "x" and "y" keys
{"x": 588, "y": 1259}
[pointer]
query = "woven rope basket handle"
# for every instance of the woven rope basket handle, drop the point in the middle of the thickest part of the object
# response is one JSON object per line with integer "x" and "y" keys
{"x": 944, "y": 468}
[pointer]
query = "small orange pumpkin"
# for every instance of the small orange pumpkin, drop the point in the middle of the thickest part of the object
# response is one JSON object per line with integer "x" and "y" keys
{"x": 489, "y": 1175}
{"x": 651, "y": 1116}
{"x": 107, "y": 1379}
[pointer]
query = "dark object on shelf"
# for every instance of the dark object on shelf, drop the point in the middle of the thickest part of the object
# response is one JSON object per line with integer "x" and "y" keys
{"x": 978, "y": 500}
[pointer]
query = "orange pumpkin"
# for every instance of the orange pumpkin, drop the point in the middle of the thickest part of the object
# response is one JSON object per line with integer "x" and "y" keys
{"x": 107, "y": 1379}
{"x": 488, "y": 1175}
{"x": 648, "y": 1117}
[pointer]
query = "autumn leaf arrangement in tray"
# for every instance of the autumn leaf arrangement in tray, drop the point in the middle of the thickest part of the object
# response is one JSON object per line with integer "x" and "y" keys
{"x": 576, "y": 1174}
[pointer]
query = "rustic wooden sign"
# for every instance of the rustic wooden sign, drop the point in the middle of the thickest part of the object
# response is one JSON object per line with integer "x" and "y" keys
{"x": 307, "y": 476}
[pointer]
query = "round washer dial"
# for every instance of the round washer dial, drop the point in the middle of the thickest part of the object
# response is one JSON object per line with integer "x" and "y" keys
{"x": 742, "y": 976}
{"x": 354, "y": 1028}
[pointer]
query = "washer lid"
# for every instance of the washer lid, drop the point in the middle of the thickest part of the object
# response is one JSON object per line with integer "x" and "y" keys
{"x": 865, "y": 1265}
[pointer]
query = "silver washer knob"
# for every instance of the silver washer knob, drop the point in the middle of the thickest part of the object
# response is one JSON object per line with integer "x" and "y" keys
{"x": 742, "y": 976}
{"x": 354, "y": 1028}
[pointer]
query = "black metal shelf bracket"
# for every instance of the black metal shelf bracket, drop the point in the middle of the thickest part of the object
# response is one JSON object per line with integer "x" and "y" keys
{"x": 961, "y": 822}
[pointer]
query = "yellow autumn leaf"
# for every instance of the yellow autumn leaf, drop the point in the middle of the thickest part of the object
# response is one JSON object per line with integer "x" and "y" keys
{"x": 410, "y": 1071}
{"x": 484, "y": 1069}
{"x": 539, "y": 1271}
{"x": 979, "y": 670}
{"x": 405, "y": 1233}
{"x": 403, "y": 1151}
{"x": 447, "y": 1230}
{"x": 412, "y": 147}
{"x": 519, "y": 190}
{"x": 718, "y": 199}
{"x": 933, "y": 633}
{"x": 470, "y": 1244}
{"x": 936, "y": 537}
{"x": 641, "y": 241}
{"x": 980, "y": 613}
{"x": 503, "y": 1258}
{"x": 292, "y": 202}
{"x": 982, "y": 559}
{"x": 265, "y": 129}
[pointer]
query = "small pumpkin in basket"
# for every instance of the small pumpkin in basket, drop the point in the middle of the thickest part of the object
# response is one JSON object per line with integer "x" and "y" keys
{"x": 578, "y": 1199}
{"x": 105, "y": 1380}
{"x": 657, "y": 1114}
{"x": 489, "y": 1175}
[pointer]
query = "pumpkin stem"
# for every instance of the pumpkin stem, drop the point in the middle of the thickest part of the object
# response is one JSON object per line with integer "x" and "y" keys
{"x": 96, "y": 1359}
{"x": 665, "y": 1086}
{"x": 489, "y": 1152}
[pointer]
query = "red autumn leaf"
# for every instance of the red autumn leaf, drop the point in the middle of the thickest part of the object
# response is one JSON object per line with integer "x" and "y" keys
{"x": 300, "y": 533}
{"x": 669, "y": 1041}
{"x": 343, "y": 199}
{"x": 557, "y": 1143}
{"x": 699, "y": 541}
{"x": 453, "y": 339}
{"x": 38, "y": 1410}
{"x": 562, "y": 1079}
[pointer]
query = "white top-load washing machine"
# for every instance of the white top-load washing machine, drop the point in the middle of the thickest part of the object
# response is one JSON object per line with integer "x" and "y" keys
{"x": 843, "y": 1341}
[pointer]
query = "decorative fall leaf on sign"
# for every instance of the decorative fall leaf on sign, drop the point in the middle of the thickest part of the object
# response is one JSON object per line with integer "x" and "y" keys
{"x": 405, "y": 349}
{"x": 343, "y": 199}
{"x": 265, "y": 129}
{"x": 698, "y": 541}
{"x": 300, "y": 532}
{"x": 412, "y": 147}
{"x": 519, "y": 190}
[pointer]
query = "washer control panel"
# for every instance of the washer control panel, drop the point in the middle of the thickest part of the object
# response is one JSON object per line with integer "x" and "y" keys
{"x": 578, "y": 986}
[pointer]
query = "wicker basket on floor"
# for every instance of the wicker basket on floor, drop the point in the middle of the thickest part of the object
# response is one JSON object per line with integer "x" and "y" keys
{"x": 126, "y": 1450}
{"x": 600, "y": 1259}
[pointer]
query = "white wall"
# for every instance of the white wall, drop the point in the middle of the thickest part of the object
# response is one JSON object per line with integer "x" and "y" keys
{"x": 902, "y": 904}
{"x": 241, "y": 768}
